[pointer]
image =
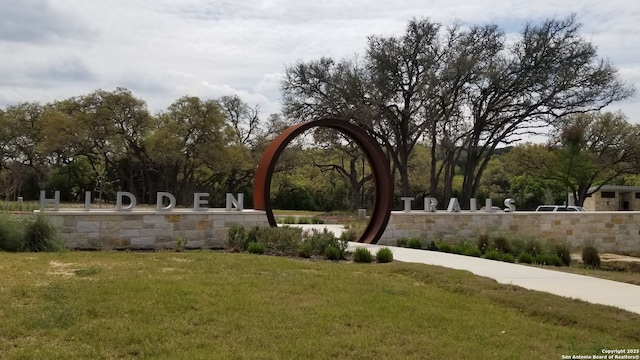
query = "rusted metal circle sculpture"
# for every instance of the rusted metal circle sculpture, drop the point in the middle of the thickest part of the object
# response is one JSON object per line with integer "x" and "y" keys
{"x": 383, "y": 195}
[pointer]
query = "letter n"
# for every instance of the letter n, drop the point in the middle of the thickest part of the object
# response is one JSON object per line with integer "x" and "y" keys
{"x": 232, "y": 202}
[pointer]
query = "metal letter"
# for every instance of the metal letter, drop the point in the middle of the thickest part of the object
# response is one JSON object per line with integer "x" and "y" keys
{"x": 197, "y": 201}
{"x": 454, "y": 205}
{"x": 132, "y": 201}
{"x": 87, "y": 200}
{"x": 233, "y": 203}
{"x": 407, "y": 203}
{"x": 488, "y": 206}
{"x": 511, "y": 204}
{"x": 430, "y": 204}
{"x": 473, "y": 205}
{"x": 55, "y": 201}
{"x": 160, "y": 196}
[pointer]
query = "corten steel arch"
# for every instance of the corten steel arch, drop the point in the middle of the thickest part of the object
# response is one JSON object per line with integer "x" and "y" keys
{"x": 383, "y": 196}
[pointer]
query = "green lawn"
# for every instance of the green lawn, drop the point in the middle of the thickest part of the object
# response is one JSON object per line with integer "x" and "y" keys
{"x": 211, "y": 305}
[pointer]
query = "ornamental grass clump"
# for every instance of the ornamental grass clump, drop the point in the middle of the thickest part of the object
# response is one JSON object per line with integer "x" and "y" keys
{"x": 548, "y": 259}
{"x": 11, "y": 233}
{"x": 236, "y": 239}
{"x": 316, "y": 242}
{"x": 332, "y": 253}
{"x": 403, "y": 242}
{"x": 525, "y": 258}
{"x": 471, "y": 251}
{"x": 432, "y": 246}
{"x": 590, "y": 257}
{"x": 444, "y": 247}
{"x": 362, "y": 255}
{"x": 501, "y": 244}
{"x": 500, "y": 256}
{"x": 384, "y": 255}
{"x": 562, "y": 251}
{"x": 414, "y": 243}
{"x": 40, "y": 236}
{"x": 256, "y": 248}
{"x": 483, "y": 243}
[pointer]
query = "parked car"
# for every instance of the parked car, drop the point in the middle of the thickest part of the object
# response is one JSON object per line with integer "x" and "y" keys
{"x": 559, "y": 208}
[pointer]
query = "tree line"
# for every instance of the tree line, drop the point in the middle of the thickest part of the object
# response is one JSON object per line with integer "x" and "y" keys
{"x": 446, "y": 104}
{"x": 108, "y": 141}
{"x": 463, "y": 91}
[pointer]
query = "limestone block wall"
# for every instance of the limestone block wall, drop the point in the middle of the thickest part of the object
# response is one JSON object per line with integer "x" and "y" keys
{"x": 614, "y": 231}
{"x": 149, "y": 230}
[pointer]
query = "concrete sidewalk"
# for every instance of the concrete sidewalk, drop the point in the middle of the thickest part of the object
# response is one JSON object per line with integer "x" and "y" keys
{"x": 586, "y": 288}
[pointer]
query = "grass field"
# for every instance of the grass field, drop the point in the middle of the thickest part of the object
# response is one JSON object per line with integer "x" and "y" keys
{"x": 212, "y": 305}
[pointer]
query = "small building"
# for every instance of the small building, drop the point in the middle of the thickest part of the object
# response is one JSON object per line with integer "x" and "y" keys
{"x": 613, "y": 198}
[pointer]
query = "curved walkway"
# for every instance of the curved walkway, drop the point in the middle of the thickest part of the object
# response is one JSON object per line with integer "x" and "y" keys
{"x": 589, "y": 289}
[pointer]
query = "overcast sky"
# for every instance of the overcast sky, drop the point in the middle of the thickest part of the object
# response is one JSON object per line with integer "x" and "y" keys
{"x": 164, "y": 49}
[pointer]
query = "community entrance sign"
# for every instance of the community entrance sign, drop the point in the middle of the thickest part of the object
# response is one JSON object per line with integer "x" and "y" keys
{"x": 383, "y": 182}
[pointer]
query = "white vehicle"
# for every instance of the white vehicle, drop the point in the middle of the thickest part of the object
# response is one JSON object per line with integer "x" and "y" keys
{"x": 559, "y": 208}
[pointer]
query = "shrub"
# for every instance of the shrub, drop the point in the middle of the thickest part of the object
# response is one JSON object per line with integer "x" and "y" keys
{"x": 281, "y": 240}
{"x": 444, "y": 247}
{"x": 332, "y": 253}
{"x": 11, "y": 233}
{"x": 362, "y": 255}
{"x": 180, "y": 243}
{"x": 384, "y": 255}
{"x": 533, "y": 247}
{"x": 319, "y": 240}
{"x": 506, "y": 257}
{"x": 471, "y": 251}
{"x": 492, "y": 255}
{"x": 289, "y": 220}
{"x": 40, "y": 235}
{"x": 590, "y": 257}
{"x": 305, "y": 250}
{"x": 517, "y": 246}
{"x": 457, "y": 249}
{"x": 316, "y": 220}
{"x": 236, "y": 240}
{"x": 252, "y": 236}
{"x": 555, "y": 260}
{"x": 483, "y": 243}
{"x": 304, "y": 220}
{"x": 563, "y": 253}
{"x": 432, "y": 246}
{"x": 525, "y": 258}
{"x": 414, "y": 243}
{"x": 548, "y": 259}
{"x": 256, "y": 248}
{"x": 501, "y": 244}
{"x": 350, "y": 234}
{"x": 404, "y": 242}
{"x": 500, "y": 256}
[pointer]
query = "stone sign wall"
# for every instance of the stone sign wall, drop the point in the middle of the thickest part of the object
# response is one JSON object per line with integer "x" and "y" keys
{"x": 615, "y": 231}
{"x": 150, "y": 230}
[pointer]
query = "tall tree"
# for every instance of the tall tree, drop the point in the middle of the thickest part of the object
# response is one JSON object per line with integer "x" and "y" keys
{"x": 108, "y": 129}
{"x": 188, "y": 145}
{"x": 466, "y": 91}
{"x": 549, "y": 73}
{"x": 595, "y": 149}
{"x": 22, "y": 125}
{"x": 586, "y": 150}
{"x": 245, "y": 139}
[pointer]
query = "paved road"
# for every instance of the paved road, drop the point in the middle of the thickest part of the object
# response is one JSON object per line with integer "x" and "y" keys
{"x": 589, "y": 289}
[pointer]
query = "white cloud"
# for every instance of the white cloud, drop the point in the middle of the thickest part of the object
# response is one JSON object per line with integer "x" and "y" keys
{"x": 165, "y": 49}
